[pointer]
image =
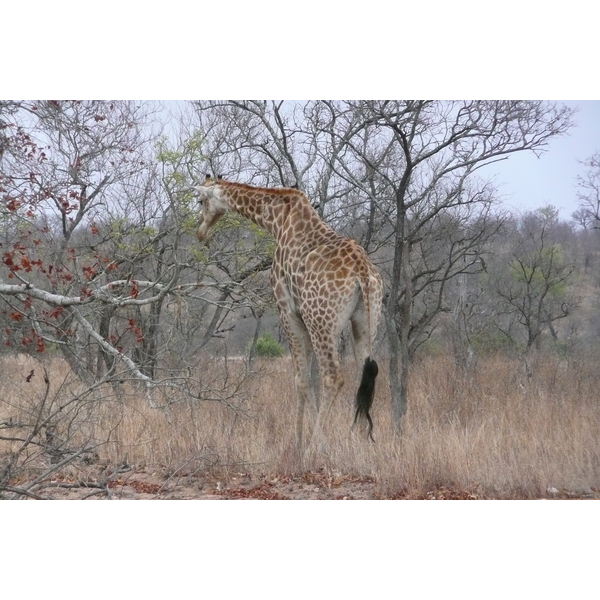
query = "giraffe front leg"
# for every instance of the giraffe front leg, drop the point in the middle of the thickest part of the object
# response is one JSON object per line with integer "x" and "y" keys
{"x": 301, "y": 350}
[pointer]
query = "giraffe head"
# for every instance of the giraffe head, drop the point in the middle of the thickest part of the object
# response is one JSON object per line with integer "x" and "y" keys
{"x": 214, "y": 205}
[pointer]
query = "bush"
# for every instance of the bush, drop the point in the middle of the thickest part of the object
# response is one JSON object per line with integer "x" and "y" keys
{"x": 268, "y": 347}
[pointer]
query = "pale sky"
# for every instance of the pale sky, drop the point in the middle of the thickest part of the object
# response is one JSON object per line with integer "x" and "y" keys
{"x": 527, "y": 182}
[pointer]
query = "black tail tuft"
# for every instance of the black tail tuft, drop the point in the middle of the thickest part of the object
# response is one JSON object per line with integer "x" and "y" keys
{"x": 366, "y": 391}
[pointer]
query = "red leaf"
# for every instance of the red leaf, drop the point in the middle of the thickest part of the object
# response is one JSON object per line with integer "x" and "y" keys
{"x": 26, "y": 264}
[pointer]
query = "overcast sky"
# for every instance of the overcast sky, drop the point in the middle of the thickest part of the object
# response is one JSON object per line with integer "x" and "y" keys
{"x": 527, "y": 182}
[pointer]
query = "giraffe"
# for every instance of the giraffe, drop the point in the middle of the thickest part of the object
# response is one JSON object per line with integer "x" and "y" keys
{"x": 321, "y": 280}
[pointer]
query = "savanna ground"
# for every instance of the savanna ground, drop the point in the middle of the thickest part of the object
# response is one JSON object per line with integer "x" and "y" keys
{"x": 490, "y": 432}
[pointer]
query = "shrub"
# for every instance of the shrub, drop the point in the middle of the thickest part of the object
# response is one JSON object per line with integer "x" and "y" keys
{"x": 268, "y": 347}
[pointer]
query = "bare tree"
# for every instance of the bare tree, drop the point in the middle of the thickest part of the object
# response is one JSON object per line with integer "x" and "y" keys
{"x": 72, "y": 161}
{"x": 587, "y": 216}
{"x": 435, "y": 150}
{"x": 98, "y": 260}
{"x": 589, "y": 194}
{"x": 535, "y": 284}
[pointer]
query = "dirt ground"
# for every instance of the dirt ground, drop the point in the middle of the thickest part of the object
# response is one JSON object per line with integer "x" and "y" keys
{"x": 154, "y": 485}
{"x": 146, "y": 485}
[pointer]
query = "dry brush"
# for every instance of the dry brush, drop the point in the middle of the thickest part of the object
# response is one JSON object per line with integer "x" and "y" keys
{"x": 495, "y": 432}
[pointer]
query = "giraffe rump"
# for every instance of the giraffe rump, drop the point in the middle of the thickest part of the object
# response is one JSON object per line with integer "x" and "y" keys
{"x": 366, "y": 391}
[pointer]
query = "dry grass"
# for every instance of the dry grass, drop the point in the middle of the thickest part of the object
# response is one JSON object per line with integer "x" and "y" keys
{"x": 490, "y": 431}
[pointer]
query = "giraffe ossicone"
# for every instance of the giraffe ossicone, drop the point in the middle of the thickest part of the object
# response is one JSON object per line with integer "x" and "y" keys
{"x": 321, "y": 280}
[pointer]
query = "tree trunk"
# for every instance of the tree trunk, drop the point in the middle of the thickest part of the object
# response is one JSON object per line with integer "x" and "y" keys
{"x": 210, "y": 330}
{"x": 70, "y": 353}
{"x": 252, "y": 353}
{"x": 151, "y": 348}
{"x": 398, "y": 333}
{"x": 402, "y": 402}
{"x": 104, "y": 361}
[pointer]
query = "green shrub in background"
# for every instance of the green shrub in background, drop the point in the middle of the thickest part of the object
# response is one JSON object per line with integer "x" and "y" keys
{"x": 268, "y": 347}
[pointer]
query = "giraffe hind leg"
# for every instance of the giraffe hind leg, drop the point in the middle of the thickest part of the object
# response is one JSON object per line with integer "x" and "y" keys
{"x": 332, "y": 382}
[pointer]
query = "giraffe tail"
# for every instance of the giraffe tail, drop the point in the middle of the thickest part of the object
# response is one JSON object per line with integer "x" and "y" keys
{"x": 366, "y": 391}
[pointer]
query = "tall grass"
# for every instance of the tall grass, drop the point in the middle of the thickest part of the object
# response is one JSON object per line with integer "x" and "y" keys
{"x": 491, "y": 430}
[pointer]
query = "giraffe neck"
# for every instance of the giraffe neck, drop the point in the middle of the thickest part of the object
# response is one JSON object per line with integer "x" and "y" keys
{"x": 272, "y": 209}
